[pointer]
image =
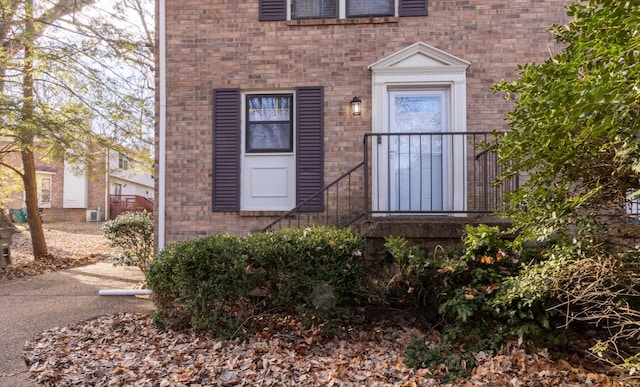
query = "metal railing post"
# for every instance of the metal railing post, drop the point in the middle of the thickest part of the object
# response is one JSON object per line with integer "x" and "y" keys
{"x": 365, "y": 210}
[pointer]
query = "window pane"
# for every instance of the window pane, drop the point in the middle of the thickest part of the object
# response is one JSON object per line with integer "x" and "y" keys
{"x": 269, "y": 123}
{"x": 269, "y": 108}
{"x": 370, "y": 7}
{"x": 314, "y": 8}
{"x": 45, "y": 194}
{"x": 269, "y": 137}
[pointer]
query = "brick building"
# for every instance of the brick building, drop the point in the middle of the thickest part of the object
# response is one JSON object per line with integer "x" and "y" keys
{"x": 69, "y": 192}
{"x": 255, "y": 115}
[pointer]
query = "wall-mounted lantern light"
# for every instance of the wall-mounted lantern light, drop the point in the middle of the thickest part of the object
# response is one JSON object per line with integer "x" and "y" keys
{"x": 356, "y": 106}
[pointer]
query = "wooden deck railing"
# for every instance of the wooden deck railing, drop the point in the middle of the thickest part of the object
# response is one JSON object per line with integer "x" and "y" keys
{"x": 124, "y": 203}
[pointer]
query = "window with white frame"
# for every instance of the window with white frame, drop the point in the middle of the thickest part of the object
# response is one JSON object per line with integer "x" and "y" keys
{"x": 45, "y": 192}
{"x": 307, "y": 9}
{"x": 370, "y": 8}
{"x": 123, "y": 161}
{"x": 269, "y": 123}
{"x": 275, "y": 10}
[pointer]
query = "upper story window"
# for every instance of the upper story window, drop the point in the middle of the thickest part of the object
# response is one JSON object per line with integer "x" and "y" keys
{"x": 357, "y": 8}
{"x": 313, "y": 9}
{"x": 123, "y": 161}
{"x": 302, "y": 9}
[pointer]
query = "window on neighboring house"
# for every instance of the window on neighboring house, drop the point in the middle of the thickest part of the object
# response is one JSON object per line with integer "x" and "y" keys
{"x": 45, "y": 191}
{"x": 309, "y": 9}
{"x": 117, "y": 189}
{"x": 269, "y": 123}
{"x": 123, "y": 161}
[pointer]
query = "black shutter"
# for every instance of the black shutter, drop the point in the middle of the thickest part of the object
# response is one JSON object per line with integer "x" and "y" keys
{"x": 310, "y": 149}
{"x": 226, "y": 150}
{"x": 413, "y": 8}
{"x": 273, "y": 10}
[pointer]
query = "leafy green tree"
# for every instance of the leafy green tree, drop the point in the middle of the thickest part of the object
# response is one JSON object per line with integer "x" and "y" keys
{"x": 60, "y": 92}
{"x": 576, "y": 136}
{"x": 575, "y": 123}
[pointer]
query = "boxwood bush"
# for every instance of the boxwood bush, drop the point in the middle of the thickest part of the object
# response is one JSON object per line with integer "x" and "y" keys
{"x": 218, "y": 281}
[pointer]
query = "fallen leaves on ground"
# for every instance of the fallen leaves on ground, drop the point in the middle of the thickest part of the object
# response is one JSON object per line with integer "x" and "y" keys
{"x": 127, "y": 349}
{"x": 70, "y": 244}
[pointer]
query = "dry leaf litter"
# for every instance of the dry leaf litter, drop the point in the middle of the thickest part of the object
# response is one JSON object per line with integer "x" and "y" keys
{"x": 128, "y": 350}
{"x": 70, "y": 244}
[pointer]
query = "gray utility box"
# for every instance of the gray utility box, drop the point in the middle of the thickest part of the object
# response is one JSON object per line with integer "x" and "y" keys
{"x": 5, "y": 246}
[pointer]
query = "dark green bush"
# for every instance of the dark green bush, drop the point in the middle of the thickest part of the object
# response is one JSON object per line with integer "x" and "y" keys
{"x": 218, "y": 281}
{"x": 465, "y": 289}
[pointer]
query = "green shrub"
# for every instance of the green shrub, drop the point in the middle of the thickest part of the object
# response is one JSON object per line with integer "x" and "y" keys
{"x": 453, "y": 356}
{"x": 132, "y": 233}
{"x": 219, "y": 281}
{"x": 468, "y": 290}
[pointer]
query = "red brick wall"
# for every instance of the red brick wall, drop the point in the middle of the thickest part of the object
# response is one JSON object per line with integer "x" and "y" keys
{"x": 213, "y": 44}
{"x": 96, "y": 189}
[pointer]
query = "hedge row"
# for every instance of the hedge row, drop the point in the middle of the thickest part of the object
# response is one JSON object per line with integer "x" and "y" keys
{"x": 215, "y": 281}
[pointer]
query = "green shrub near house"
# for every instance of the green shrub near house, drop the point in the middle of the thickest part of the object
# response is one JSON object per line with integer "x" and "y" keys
{"x": 132, "y": 233}
{"x": 219, "y": 281}
{"x": 461, "y": 289}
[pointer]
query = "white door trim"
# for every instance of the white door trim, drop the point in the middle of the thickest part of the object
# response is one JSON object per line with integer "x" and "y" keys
{"x": 421, "y": 66}
{"x": 268, "y": 180}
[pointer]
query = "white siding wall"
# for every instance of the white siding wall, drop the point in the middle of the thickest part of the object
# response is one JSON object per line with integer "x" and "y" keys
{"x": 75, "y": 191}
{"x": 134, "y": 180}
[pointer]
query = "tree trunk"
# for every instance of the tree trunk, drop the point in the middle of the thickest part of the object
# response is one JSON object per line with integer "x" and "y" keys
{"x": 31, "y": 199}
{"x": 27, "y": 140}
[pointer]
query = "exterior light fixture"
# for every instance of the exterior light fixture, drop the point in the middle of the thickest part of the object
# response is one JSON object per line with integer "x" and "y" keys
{"x": 356, "y": 106}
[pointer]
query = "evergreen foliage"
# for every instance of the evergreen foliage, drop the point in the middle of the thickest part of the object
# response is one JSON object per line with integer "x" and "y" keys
{"x": 574, "y": 133}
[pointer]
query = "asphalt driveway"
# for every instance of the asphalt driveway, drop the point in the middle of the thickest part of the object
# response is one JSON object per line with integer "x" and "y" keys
{"x": 31, "y": 305}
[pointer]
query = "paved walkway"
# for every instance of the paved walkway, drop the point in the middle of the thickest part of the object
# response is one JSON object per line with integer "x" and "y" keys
{"x": 32, "y": 305}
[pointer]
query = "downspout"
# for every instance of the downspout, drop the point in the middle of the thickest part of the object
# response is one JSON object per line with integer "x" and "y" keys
{"x": 107, "y": 181}
{"x": 162, "y": 122}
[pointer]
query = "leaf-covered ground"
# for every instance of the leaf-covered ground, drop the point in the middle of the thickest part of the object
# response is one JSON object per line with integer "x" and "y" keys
{"x": 70, "y": 244}
{"x": 128, "y": 350}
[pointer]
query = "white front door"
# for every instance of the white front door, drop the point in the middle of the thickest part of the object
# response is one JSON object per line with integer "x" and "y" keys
{"x": 418, "y": 167}
{"x": 269, "y": 165}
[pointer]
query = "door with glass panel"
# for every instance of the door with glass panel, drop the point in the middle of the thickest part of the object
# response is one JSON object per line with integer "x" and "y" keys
{"x": 417, "y": 156}
{"x": 268, "y": 164}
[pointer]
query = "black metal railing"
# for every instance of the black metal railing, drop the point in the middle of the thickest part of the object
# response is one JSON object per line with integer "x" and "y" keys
{"x": 433, "y": 173}
{"x": 343, "y": 204}
{"x": 437, "y": 173}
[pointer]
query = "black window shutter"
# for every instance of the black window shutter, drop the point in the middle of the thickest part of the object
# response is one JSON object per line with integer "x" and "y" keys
{"x": 413, "y": 8}
{"x": 273, "y": 10}
{"x": 310, "y": 148}
{"x": 226, "y": 149}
